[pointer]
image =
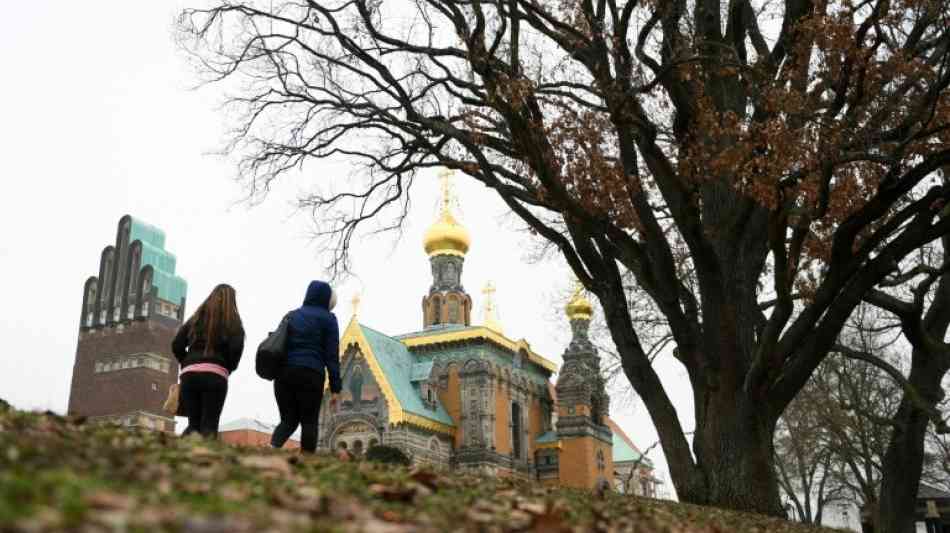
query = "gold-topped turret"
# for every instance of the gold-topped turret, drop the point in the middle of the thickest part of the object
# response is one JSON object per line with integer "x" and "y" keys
{"x": 446, "y": 236}
{"x": 490, "y": 319}
{"x": 579, "y": 307}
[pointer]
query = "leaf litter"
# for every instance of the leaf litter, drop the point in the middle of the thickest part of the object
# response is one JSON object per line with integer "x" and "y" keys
{"x": 61, "y": 474}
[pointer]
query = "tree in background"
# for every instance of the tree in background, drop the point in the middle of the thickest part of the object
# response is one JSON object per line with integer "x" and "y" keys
{"x": 804, "y": 461}
{"x": 937, "y": 459}
{"x": 776, "y": 153}
{"x": 918, "y": 296}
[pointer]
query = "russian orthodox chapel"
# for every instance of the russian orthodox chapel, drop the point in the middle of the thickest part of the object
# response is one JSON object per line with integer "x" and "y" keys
{"x": 464, "y": 396}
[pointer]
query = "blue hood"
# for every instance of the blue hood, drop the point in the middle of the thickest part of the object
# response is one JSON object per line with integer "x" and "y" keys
{"x": 318, "y": 294}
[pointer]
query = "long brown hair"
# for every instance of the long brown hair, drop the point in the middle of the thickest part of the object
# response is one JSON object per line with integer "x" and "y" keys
{"x": 215, "y": 318}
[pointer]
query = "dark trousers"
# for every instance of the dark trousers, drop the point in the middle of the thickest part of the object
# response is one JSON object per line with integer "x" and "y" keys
{"x": 202, "y": 395}
{"x": 299, "y": 392}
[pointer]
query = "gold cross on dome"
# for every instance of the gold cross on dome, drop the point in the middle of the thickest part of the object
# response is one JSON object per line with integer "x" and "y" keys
{"x": 491, "y": 316}
{"x": 578, "y": 288}
{"x": 445, "y": 176}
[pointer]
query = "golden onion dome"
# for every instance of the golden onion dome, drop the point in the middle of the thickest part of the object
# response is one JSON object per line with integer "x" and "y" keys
{"x": 579, "y": 307}
{"x": 446, "y": 236}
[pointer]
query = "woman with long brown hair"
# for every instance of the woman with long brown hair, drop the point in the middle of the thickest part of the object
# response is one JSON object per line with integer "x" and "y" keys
{"x": 208, "y": 347}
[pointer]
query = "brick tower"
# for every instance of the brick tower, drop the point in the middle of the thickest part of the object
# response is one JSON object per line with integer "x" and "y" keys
{"x": 446, "y": 242}
{"x": 130, "y": 313}
{"x": 586, "y": 455}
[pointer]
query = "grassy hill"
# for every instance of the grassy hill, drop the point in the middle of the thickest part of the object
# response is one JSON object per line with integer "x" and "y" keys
{"x": 57, "y": 474}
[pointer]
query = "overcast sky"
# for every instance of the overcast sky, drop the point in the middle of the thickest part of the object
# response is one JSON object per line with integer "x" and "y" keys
{"x": 98, "y": 119}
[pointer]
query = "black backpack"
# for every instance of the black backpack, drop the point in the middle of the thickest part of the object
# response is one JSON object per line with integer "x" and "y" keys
{"x": 272, "y": 353}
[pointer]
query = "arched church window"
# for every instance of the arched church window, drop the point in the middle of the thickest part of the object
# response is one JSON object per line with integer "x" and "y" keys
{"x": 373, "y": 442}
{"x": 358, "y": 447}
{"x": 600, "y": 460}
{"x": 516, "y": 430}
{"x": 596, "y": 408}
{"x": 436, "y": 310}
{"x": 341, "y": 445}
{"x": 453, "y": 309}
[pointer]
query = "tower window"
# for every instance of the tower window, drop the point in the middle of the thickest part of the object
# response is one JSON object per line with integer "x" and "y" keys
{"x": 516, "y": 430}
{"x": 436, "y": 310}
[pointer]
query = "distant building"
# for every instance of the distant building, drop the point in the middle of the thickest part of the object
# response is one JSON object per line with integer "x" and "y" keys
{"x": 130, "y": 313}
{"x": 252, "y": 433}
{"x": 931, "y": 515}
{"x": 633, "y": 472}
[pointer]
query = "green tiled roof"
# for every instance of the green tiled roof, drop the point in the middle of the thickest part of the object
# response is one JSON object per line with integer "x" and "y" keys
{"x": 171, "y": 287}
{"x": 550, "y": 436}
{"x": 441, "y": 328}
{"x": 421, "y": 371}
{"x": 397, "y": 362}
{"x": 623, "y": 452}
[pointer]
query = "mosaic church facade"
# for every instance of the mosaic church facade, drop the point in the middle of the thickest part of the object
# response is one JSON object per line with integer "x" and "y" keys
{"x": 464, "y": 396}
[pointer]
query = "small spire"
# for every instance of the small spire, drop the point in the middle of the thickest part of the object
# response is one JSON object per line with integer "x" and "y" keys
{"x": 355, "y": 302}
{"x": 488, "y": 307}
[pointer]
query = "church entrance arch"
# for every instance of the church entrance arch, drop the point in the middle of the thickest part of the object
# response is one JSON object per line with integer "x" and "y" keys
{"x": 354, "y": 433}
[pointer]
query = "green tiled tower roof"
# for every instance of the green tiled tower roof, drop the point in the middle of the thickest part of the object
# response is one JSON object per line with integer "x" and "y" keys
{"x": 171, "y": 287}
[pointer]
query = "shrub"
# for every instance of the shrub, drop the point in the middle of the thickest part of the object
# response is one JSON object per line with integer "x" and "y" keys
{"x": 387, "y": 455}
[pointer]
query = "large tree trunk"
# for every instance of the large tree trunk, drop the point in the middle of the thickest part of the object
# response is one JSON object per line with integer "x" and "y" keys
{"x": 904, "y": 459}
{"x": 733, "y": 447}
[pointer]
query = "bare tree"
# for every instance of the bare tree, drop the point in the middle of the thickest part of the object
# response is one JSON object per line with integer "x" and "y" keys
{"x": 937, "y": 459}
{"x": 918, "y": 296}
{"x": 769, "y": 149}
{"x": 804, "y": 460}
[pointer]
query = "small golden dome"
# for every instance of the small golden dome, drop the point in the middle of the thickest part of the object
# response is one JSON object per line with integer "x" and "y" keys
{"x": 579, "y": 307}
{"x": 446, "y": 235}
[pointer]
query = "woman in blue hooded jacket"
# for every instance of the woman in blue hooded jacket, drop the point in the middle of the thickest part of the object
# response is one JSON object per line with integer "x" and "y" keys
{"x": 313, "y": 345}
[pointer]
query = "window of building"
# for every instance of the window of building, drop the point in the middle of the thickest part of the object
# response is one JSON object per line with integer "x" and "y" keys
{"x": 154, "y": 387}
{"x": 516, "y": 430}
{"x": 600, "y": 460}
{"x": 98, "y": 367}
{"x": 436, "y": 310}
{"x": 358, "y": 447}
{"x": 341, "y": 445}
{"x": 373, "y": 442}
